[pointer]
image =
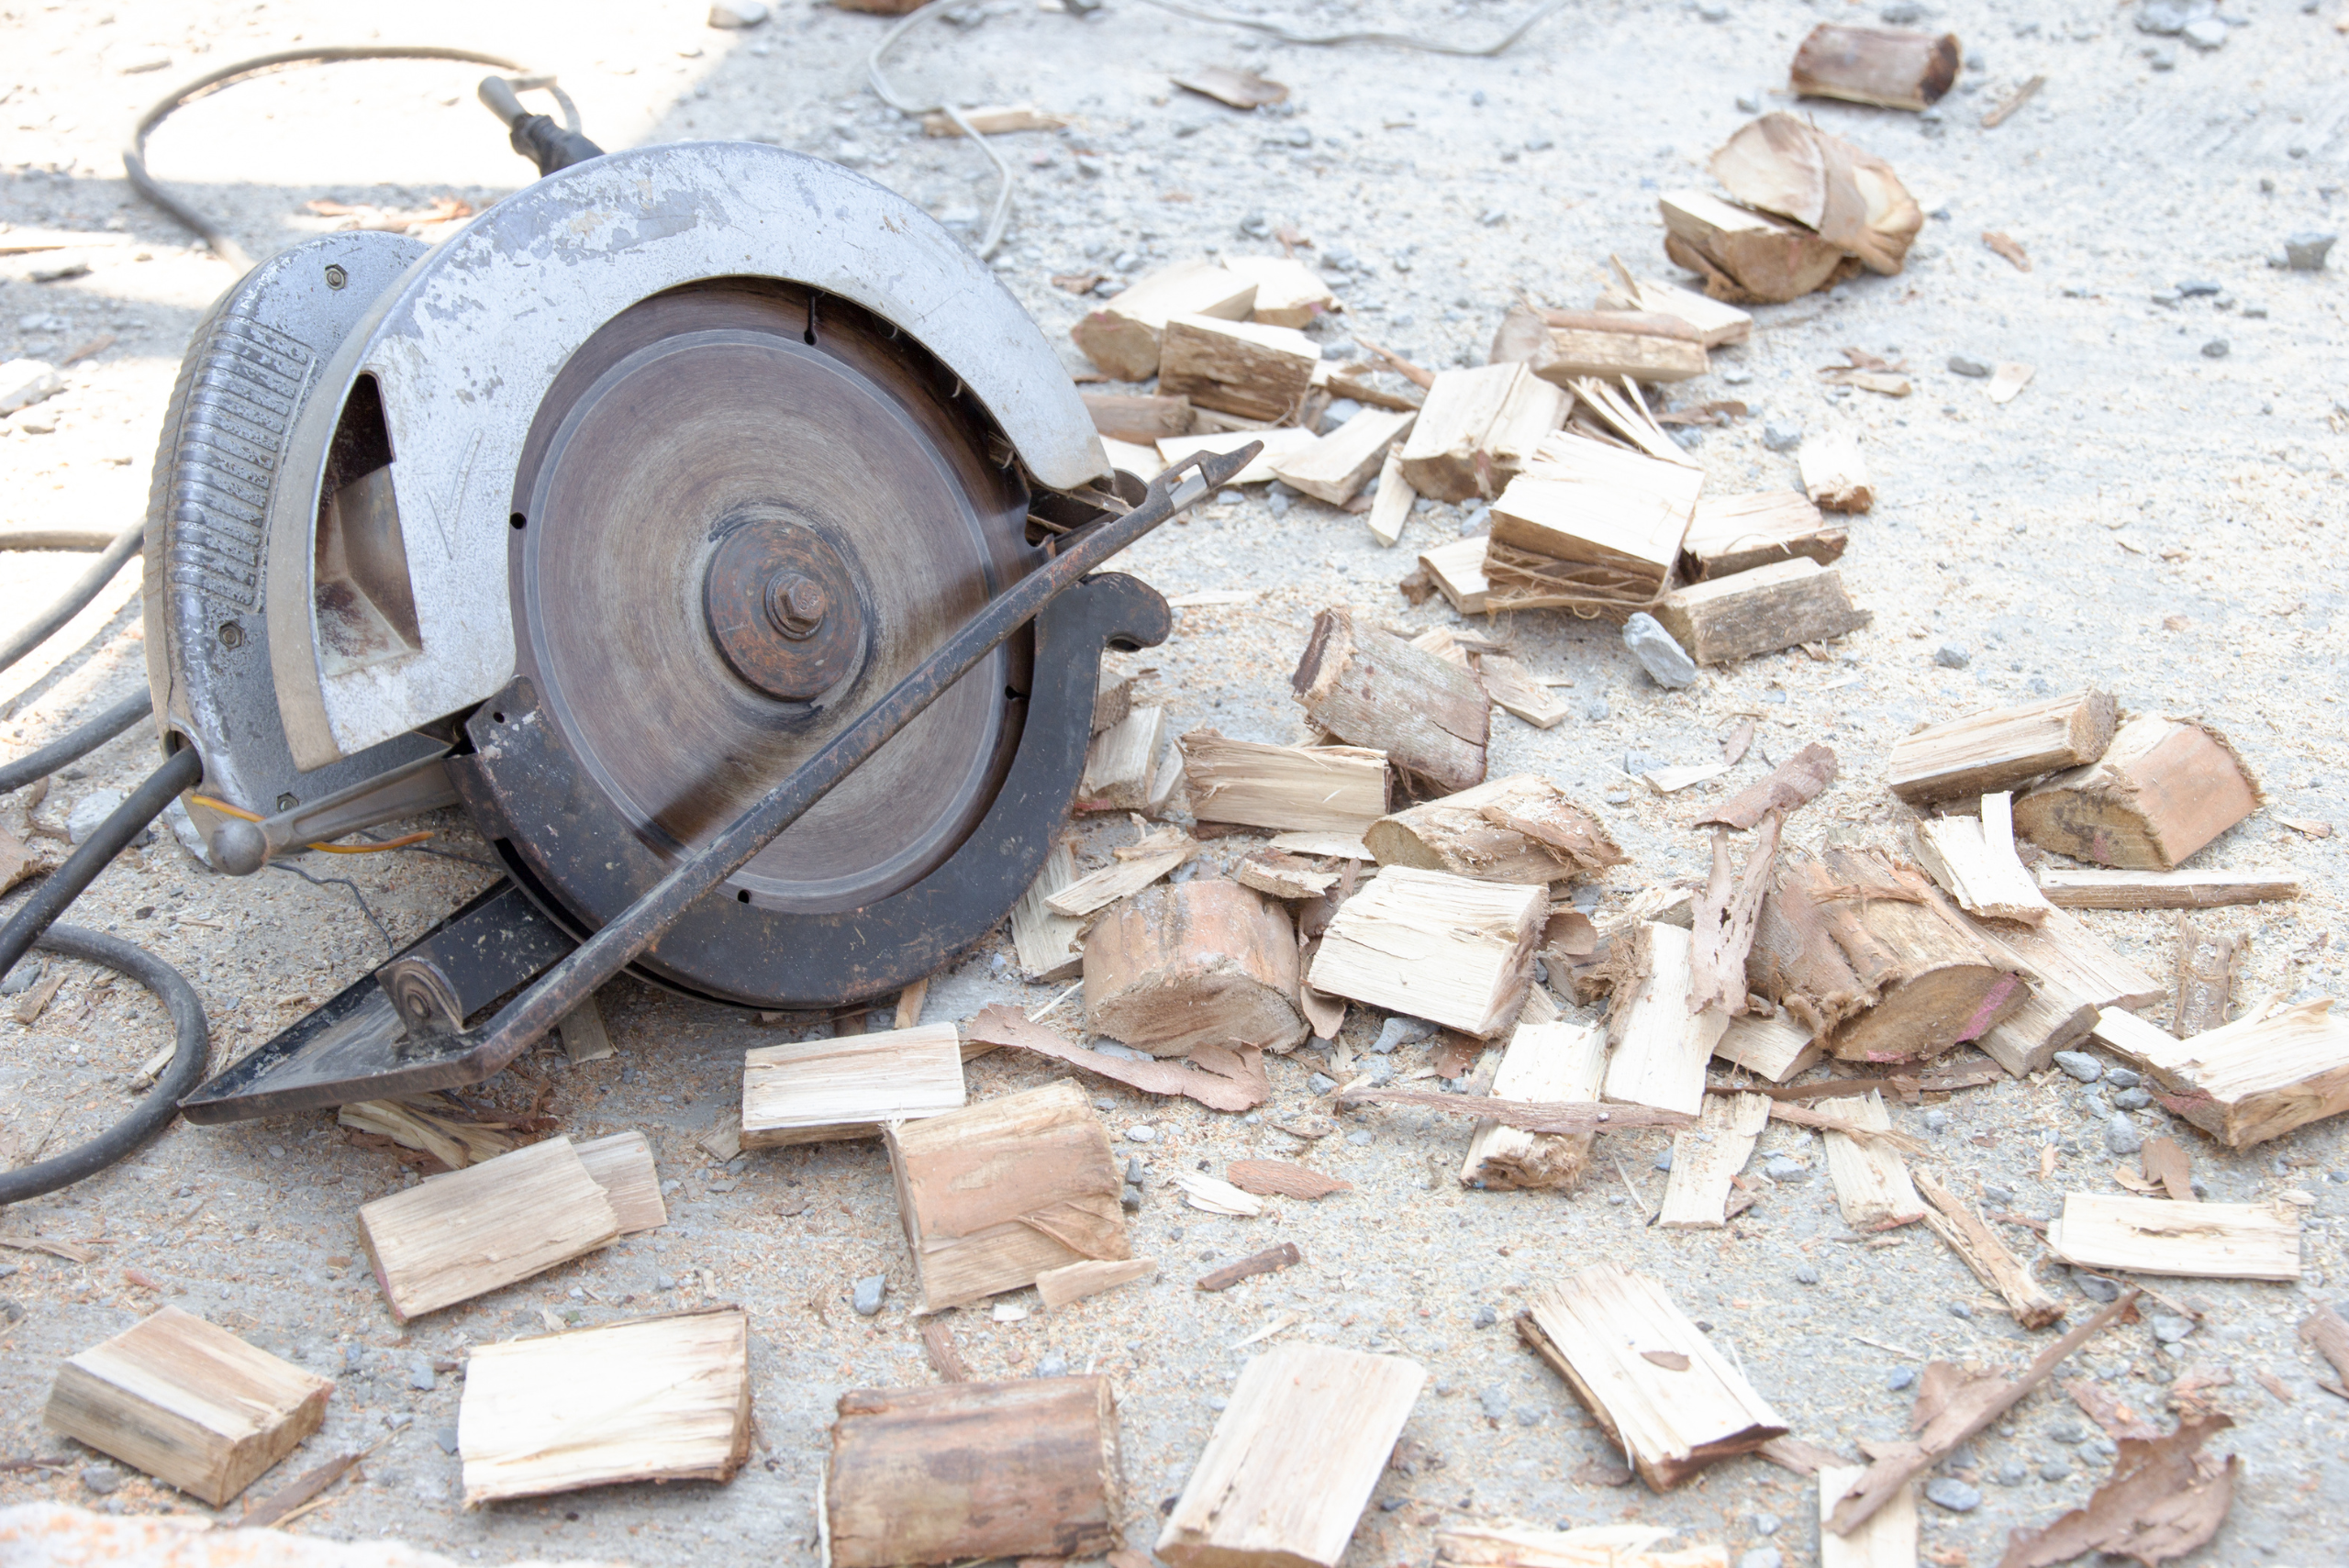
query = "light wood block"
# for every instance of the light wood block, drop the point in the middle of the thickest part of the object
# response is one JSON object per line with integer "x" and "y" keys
{"x": 1515, "y": 692}
{"x": 1203, "y": 962}
{"x": 1522, "y": 828}
{"x": 2001, "y": 748}
{"x": 1888, "y": 1539}
{"x": 1391, "y": 509}
{"x": 1440, "y": 458}
{"x": 1339, "y": 789}
{"x": 622, "y": 1165}
{"x": 1073, "y": 1281}
{"x": 1835, "y": 473}
{"x": 2158, "y": 1236}
{"x": 1743, "y": 256}
{"x": 1973, "y": 859}
{"x": 1046, "y": 943}
{"x": 2251, "y": 1081}
{"x": 1771, "y": 1047}
{"x": 1546, "y": 1062}
{"x": 1596, "y": 521}
{"x": 1370, "y": 689}
{"x": 1342, "y": 462}
{"x": 1237, "y": 367}
{"x": 472, "y": 1232}
{"x": 1704, "y": 1158}
{"x": 1122, "y": 335}
{"x": 1132, "y": 868}
{"x": 1457, "y": 570}
{"x": 1872, "y": 1185}
{"x": 1279, "y": 445}
{"x": 1120, "y": 762}
{"x": 1769, "y": 609}
{"x": 1729, "y": 534}
{"x": 1661, "y": 1047}
{"x": 1444, "y": 948}
{"x": 1714, "y": 323}
{"x": 1138, "y": 419}
{"x": 1288, "y": 293}
{"x": 822, "y": 1091}
{"x": 2162, "y": 790}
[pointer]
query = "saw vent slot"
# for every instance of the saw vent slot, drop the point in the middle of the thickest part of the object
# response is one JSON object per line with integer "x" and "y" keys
{"x": 367, "y": 604}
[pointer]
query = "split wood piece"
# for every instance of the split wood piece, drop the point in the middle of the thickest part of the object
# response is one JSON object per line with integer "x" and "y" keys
{"x": 2156, "y": 1236}
{"x": 1590, "y": 1546}
{"x": 1330, "y": 845}
{"x": 1729, "y": 534}
{"x": 1714, "y": 322}
{"x": 1892, "y": 70}
{"x": 1137, "y": 866}
{"x": 1236, "y": 89}
{"x": 1795, "y": 782}
{"x": 1872, "y": 1185}
{"x": 1745, "y": 257}
{"x": 2208, "y": 963}
{"x": 1864, "y": 1132}
{"x": 972, "y": 1471}
{"x": 1074, "y": 1282}
{"x": 1276, "y": 873}
{"x": 1279, "y": 1178}
{"x": 1848, "y": 196}
{"x": 1120, "y": 763}
{"x": 1339, "y": 379}
{"x": 2163, "y": 1500}
{"x": 909, "y": 1004}
{"x": 1293, "y": 1460}
{"x": 1341, "y": 462}
{"x": 286, "y": 1501}
{"x": 1626, "y": 417}
{"x": 1307, "y": 788}
{"x": 1457, "y": 570}
{"x": 1286, "y": 442}
{"x": 1213, "y": 1194}
{"x": 1367, "y": 687}
{"x": 455, "y": 1143}
{"x": 1765, "y": 610}
{"x": 2068, "y": 962}
{"x": 938, "y": 1343}
{"x": 1202, "y": 962}
{"x": 2001, "y": 748}
{"x": 1391, "y": 508}
{"x": 1776, "y": 1048}
{"x": 458, "y": 1236}
{"x": 1608, "y": 524}
{"x": 2161, "y": 791}
{"x": 1552, "y": 1062}
{"x": 1657, "y": 1387}
{"x": 1572, "y": 1117}
{"x": 2090, "y": 889}
{"x": 2327, "y": 1333}
{"x": 1122, "y": 335}
{"x": 824, "y": 1091}
{"x": 1044, "y": 942}
{"x": 1222, "y": 1077}
{"x": 1588, "y": 344}
{"x": 1969, "y": 1408}
{"x": 2257, "y": 1079}
{"x": 1005, "y": 120}
{"x": 1889, "y": 1539}
{"x": 1621, "y": 318}
{"x": 581, "y": 1032}
{"x": 1288, "y": 293}
{"x": 662, "y": 1398}
{"x": 1973, "y": 859}
{"x": 187, "y": 1403}
{"x": 1142, "y": 420}
{"x": 1722, "y": 922}
{"x": 1441, "y": 456}
{"x": 1836, "y": 475}
{"x": 1239, "y": 367}
{"x": 1661, "y": 1047}
{"x": 1522, "y": 828}
{"x": 1142, "y": 461}
{"x": 1452, "y": 951}
{"x": 622, "y": 1165}
{"x": 1515, "y": 691}
{"x": 1704, "y": 1158}
{"x": 1272, "y": 1260}
{"x": 2165, "y": 1165}
{"x": 1979, "y": 1249}
{"x": 995, "y": 1193}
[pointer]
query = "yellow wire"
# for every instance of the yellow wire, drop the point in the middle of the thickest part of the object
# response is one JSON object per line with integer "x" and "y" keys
{"x": 240, "y": 813}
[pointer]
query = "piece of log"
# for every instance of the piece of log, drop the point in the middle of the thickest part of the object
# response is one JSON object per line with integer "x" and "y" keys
{"x": 664, "y": 1398}
{"x": 2000, "y": 749}
{"x": 1132, "y": 416}
{"x": 1795, "y": 782}
{"x": 1272, "y": 1260}
{"x": 1552, "y": 1063}
{"x": 622, "y": 1165}
{"x": 1979, "y": 1249}
{"x": 1588, "y": 527}
{"x": 1439, "y": 456}
{"x": 1390, "y": 508}
{"x": 1872, "y": 1186}
{"x": 1202, "y": 962}
{"x": 2253, "y": 1080}
{"x": 1848, "y": 196}
{"x": 1890, "y": 69}
{"x": 821, "y": 1091}
{"x": 1729, "y": 534}
{"x": 1338, "y": 789}
{"x": 1704, "y": 1158}
{"x": 2197, "y": 1240}
{"x": 972, "y": 1471}
{"x": 489, "y": 1225}
{"x": 1661, "y": 1047}
{"x": 1973, "y": 859}
{"x": 1774, "y": 1047}
{"x": 1293, "y": 1460}
{"x": 1593, "y": 346}
{"x": 1288, "y": 293}
{"x": 1650, "y": 1377}
{"x": 2161, "y": 791}
{"x": 1276, "y": 873}
{"x": 1135, "y": 867}
{"x": 1836, "y": 475}
{"x": 188, "y": 1403}
{"x": 1744, "y": 257}
{"x": 1522, "y": 828}
{"x": 1457, "y": 570}
{"x": 1074, "y": 1282}
{"x": 1341, "y": 462}
{"x": 1044, "y": 942}
{"x": 1239, "y": 367}
{"x": 1279, "y": 444}
{"x": 1368, "y": 687}
{"x": 1121, "y": 336}
{"x": 1713, "y": 322}
{"x": 582, "y": 1033}
{"x": 1120, "y": 762}
{"x": 1447, "y": 949}
{"x": 1889, "y": 1539}
{"x": 2208, "y": 963}
{"x": 1787, "y": 603}
{"x": 2059, "y": 1012}
{"x": 2093, "y": 889}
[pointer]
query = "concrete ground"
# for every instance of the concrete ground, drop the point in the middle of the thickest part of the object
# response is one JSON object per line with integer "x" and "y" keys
{"x": 2154, "y": 514}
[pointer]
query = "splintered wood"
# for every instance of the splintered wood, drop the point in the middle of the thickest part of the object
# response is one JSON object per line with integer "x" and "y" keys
{"x": 188, "y": 1403}
{"x": 2091, "y": 889}
{"x": 1074, "y": 1282}
{"x": 1132, "y": 868}
{"x": 1433, "y": 946}
{"x": 654, "y": 1399}
{"x": 1203, "y": 962}
{"x": 1342, "y": 461}
{"x": 817, "y": 1091}
{"x": 1522, "y": 828}
{"x": 2207, "y": 965}
{"x": 1835, "y": 474}
{"x": 1337, "y": 788}
{"x": 2078, "y": 975}
{"x": 1477, "y": 428}
{"x": 1661, "y": 1047}
{"x": 1655, "y": 1385}
{"x": 1704, "y": 1158}
{"x": 1745, "y": 256}
{"x": 1872, "y": 1186}
{"x": 1714, "y": 323}
{"x": 489, "y": 1225}
{"x": 1120, "y": 763}
{"x": 1457, "y": 571}
{"x": 1729, "y": 534}
{"x": 1891, "y": 70}
{"x": 1045, "y": 943}
{"x": 1122, "y": 335}
{"x": 2001, "y": 749}
{"x": 1293, "y": 1460}
{"x": 1546, "y": 1063}
{"x": 1588, "y": 527}
{"x": 1562, "y": 346}
{"x": 2161, "y": 791}
{"x": 2157, "y": 1236}
{"x": 1973, "y": 859}
{"x": 1771, "y": 1047}
{"x": 2253, "y": 1080}
{"x": 1979, "y": 1249}
{"x": 1370, "y": 689}
{"x": 996, "y": 1194}
{"x": 1889, "y": 1539}
{"x": 972, "y": 1471}
{"x": 1787, "y": 603}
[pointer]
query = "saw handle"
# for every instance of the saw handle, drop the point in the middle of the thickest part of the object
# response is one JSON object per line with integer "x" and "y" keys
{"x": 536, "y": 137}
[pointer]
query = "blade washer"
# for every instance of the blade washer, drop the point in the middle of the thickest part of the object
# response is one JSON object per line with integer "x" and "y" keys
{"x": 784, "y": 609}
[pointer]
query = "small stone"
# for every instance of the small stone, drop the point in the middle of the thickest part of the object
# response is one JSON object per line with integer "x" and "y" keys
{"x": 1763, "y": 1557}
{"x": 1667, "y": 662}
{"x": 1483, "y": 1318}
{"x": 1663, "y": 1161}
{"x": 2079, "y": 1064}
{"x": 1712, "y": 11}
{"x": 1901, "y": 1378}
{"x": 2014, "y": 1473}
{"x": 1618, "y": 797}
{"x": 869, "y": 1293}
{"x": 1766, "y": 1524}
{"x": 664, "y": 1282}
{"x": 737, "y": 12}
{"x": 1961, "y": 365}
{"x": 2195, "y": 288}
{"x": 22, "y": 979}
{"x": 420, "y": 1376}
{"x": 1785, "y": 1168}
{"x": 1900, "y": 14}
{"x": 1805, "y": 1273}
{"x": 1320, "y": 1082}
{"x": 1130, "y": 1200}
{"x": 2123, "y": 1077}
{"x": 1361, "y": 1137}
{"x": 1400, "y": 1030}
{"x": 2095, "y": 1287}
{"x": 24, "y": 382}
{"x": 2068, "y": 1432}
{"x": 1749, "y": 102}
{"x": 2171, "y": 1330}
{"x": 1595, "y": 710}
{"x": 1960, "y": 1310}
{"x": 90, "y": 813}
{"x": 1781, "y": 438}
{"x": 2131, "y": 1100}
{"x": 1133, "y": 1170}
{"x": 2168, "y": 17}
{"x": 1141, "y": 1132}
{"x": 1527, "y": 1416}
{"x": 1936, "y": 1121}
{"x": 2054, "y": 1470}
{"x": 1949, "y": 1492}
{"x": 2207, "y": 34}
{"x": 447, "y": 1437}
{"x": 2216, "y": 349}
{"x": 100, "y": 1478}
{"x": 1051, "y": 1366}
{"x": 1950, "y": 656}
{"x": 1495, "y": 1402}
{"x": 2122, "y": 1135}
{"x": 2303, "y": 252}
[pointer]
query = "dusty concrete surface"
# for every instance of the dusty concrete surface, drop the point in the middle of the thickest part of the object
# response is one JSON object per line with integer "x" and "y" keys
{"x": 2145, "y": 516}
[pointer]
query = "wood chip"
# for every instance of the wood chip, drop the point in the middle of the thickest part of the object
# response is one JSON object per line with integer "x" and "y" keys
{"x": 1272, "y": 1260}
{"x": 1271, "y": 1178}
{"x": 1074, "y": 1282}
{"x": 2206, "y": 1240}
{"x": 2164, "y": 1499}
{"x": 1979, "y": 1249}
{"x": 1793, "y": 782}
{"x": 1219, "y": 1077}
{"x": 2008, "y": 248}
{"x": 1239, "y": 89}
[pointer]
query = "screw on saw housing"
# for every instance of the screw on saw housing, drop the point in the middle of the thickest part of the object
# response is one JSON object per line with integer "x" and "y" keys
{"x": 536, "y": 137}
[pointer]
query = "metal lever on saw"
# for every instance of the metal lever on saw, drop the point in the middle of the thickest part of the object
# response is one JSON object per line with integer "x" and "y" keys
{"x": 535, "y": 137}
{"x": 241, "y": 848}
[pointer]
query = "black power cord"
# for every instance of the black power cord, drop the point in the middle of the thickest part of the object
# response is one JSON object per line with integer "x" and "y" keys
{"x": 76, "y": 743}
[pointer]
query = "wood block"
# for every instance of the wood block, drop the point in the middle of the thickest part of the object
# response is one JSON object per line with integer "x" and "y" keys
{"x": 1332, "y": 788}
{"x": 1835, "y": 474}
{"x": 1541, "y": 836}
{"x": 1769, "y": 609}
{"x": 1000, "y": 120}
{"x": 2158, "y": 1236}
{"x": 1772, "y": 1047}
{"x": 1979, "y": 1249}
{"x": 1651, "y": 1378}
{"x": 1143, "y": 462}
{"x": 1277, "y": 874}
{"x": 972, "y": 1471}
{"x": 1138, "y": 419}
{"x": 622, "y": 1165}
{"x": 664, "y": 1398}
{"x": 187, "y": 1403}
{"x": 1391, "y": 508}
{"x": 1546, "y": 1062}
{"x": 1044, "y": 942}
{"x": 1457, "y": 569}
{"x": 1120, "y": 763}
{"x": 1872, "y": 1185}
{"x": 1515, "y": 692}
{"x": 2090, "y": 889}
{"x": 2253, "y": 1080}
{"x": 1279, "y": 445}
{"x": 1073, "y": 1281}
{"x": 1852, "y": 199}
{"x": 583, "y": 1035}
{"x": 1661, "y": 1047}
{"x": 471, "y": 1231}
{"x": 823, "y": 1091}
{"x": 1892, "y": 70}
{"x": 2162, "y": 790}
{"x": 1341, "y": 462}
{"x": 2207, "y": 965}
{"x": 1714, "y": 323}
{"x": 1729, "y": 534}
{"x": 1202, "y": 962}
{"x": 1293, "y": 1460}
{"x": 1439, "y": 456}
{"x": 1239, "y": 367}
{"x": 1973, "y": 859}
{"x": 1122, "y": 335}
{"x": 2001, "y": 748}
{"x": 1560, "y": 354}
{"x": 1529, "y": 416}
{"x": 1442, "y": 947}
{"x": 1704, "y": 1158}
{"x": 995, "y": 1193}
{"x": 1607, "y": 521}
{"x": 1135, "y": 867}
{"x": 1288, "y": 293}
{"x": 1889, "y": 1538}
{"x": 1370, "y": 689}
{"x": 1745, "y": 256}
{"x": 2055, "y": 1017}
